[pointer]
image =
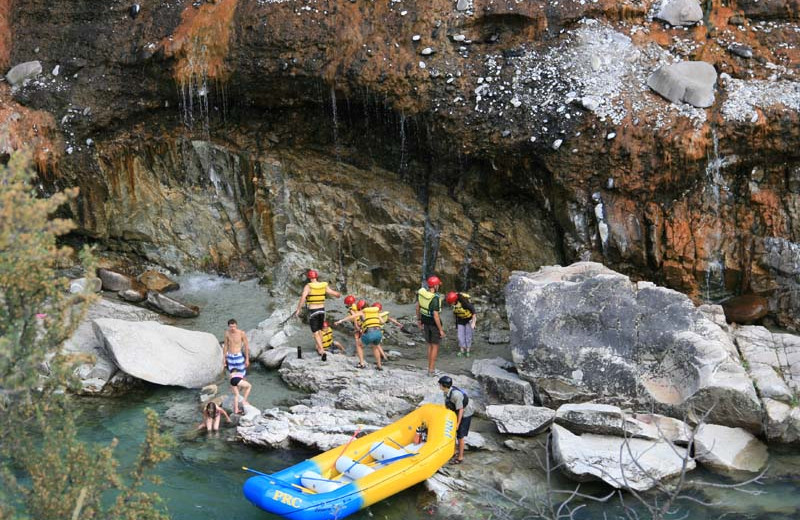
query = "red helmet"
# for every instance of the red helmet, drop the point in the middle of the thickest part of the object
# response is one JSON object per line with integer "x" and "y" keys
{"x": 433, "y": 281}
{"x": 361, "y": 304}
{"x": 324, "y": 324}
{"x": 451, "y": 297}
{"x": 378, "y": 305}
{"x": 349, "y": 299}
{"x": 312, "y": 274}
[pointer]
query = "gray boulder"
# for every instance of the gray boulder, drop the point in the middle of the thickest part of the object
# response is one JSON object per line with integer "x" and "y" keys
{"x": 689, "y": 82}
{"x": 603, "y": 419}
{"x": 586, "y": 333}
{"x": 161, "y": 354}
{"x": 639, "y": 466}
{"x": 273, "y": 357}
{"x": 114, "y": 281}
{"x": 729, "y": 450}
{"x": 171, "y": 306}
{"x": 506, "y": 386}
{"x": 520, "y": 419}
{"x": 680, "y": 12}
{"x": 83, "y": 284}
{"x": 23, "y": 72}
{"x": 391, "y": 392}
{"x": 97, "y": 368}
{"x": 773, "y": 361}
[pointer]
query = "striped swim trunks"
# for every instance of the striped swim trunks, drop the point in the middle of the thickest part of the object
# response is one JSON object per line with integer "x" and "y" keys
{"x": 236, "y": 362}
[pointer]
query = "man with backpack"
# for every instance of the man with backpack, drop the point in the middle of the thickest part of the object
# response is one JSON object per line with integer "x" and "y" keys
{"x": 457, "y": 400}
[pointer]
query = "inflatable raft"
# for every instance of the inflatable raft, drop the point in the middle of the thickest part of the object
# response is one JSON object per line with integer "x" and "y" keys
{"x": 349, "y": 478}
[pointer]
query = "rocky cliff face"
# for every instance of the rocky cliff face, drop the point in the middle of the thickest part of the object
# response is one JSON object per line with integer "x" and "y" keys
{"x": 384, "y": 140}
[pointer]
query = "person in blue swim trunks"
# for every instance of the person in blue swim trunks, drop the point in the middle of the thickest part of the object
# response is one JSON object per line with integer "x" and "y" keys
{"x": 236, "y": 359}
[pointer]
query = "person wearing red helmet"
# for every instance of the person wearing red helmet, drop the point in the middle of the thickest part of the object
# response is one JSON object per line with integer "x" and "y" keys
{"x": 372, "y": 321}
{"x": 464, "y": 312}
{"x": 353, "y": 307}
{"x": 429, "y": 321}
{"x": 313, "y": 298}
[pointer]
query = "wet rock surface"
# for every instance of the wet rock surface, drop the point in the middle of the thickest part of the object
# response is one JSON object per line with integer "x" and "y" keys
{"x": 540, "y": 118}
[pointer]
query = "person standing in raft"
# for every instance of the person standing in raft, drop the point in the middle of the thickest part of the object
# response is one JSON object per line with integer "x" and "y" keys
{"x": 429, "y": 321}
{"x": 236, "y": 362}
{"x": 372, "y": 322}
{"x": 464, "y": 312}
{"x": 457, "y": 400}
{"x": 212, "y": 413}
{"x": 313, "y": 298}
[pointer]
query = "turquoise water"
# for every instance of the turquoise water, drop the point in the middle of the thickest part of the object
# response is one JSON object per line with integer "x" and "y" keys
{"x": 203, "y": 479}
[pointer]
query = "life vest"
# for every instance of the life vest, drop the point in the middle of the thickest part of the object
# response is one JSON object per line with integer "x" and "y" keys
{"x": 450, "y": 405}
{"x": 462, "y": 312}
{"x": 327, "y": 338}
{"x": 424, "y": 297}
{"x": 353, "y": 309}
{"x": 372, "y": 318}
{"x": 317, "y": 293}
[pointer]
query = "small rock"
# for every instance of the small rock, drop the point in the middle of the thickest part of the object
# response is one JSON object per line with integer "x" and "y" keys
{"x": 689, "y": 82}
{"x": 56, "y": 69}
{"x": 416, "y": 37}
{"x": 557, "y": 144}
{"x": 743, "y": 51}
{"x": 427, "y": 51}
{"x": 463, "y": 5}
{"x": 611, "y": 135}
{"x": 680, "y": 12}
{"x": 422, "y": 64}
{"x": 19, "y": 74}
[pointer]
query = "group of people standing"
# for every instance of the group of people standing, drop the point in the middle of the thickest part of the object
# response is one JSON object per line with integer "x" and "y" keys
{"x": 369, "y": 320}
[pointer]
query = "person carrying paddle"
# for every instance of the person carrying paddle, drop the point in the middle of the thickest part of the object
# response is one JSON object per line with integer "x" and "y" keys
{"x": 429, "y": 321}
{"x": 313, "y": 298}
{"x": 458, "y": 401}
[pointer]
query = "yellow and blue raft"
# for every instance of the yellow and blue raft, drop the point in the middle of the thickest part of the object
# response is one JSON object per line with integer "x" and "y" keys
{"x": 349, "y": 478}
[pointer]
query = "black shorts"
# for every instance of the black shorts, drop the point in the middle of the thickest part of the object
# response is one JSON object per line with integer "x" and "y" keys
{"x": 235, "y": 380}
{"x": 316, "y": 317}
{"x": 463, "y": 428}
{"x": 431, "y": 333}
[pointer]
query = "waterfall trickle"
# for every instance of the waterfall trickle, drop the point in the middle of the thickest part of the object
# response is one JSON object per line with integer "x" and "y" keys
{"x": 335, "y": 118}
{"x": 715, "y": 192}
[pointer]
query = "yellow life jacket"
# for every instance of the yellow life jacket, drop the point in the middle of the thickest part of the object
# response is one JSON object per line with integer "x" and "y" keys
{"x": 317, "y": 293}
{"x": 462, "y": 312}
{"x": 353, "y": 310}
{"x": 372, "y": 318}
{"x": 327, "y": 338}
{"x": 424, "y": 297}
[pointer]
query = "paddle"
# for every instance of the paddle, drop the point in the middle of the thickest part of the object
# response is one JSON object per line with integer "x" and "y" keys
{"x": 399, "y": 445}
{"x": 279, "y": 481}
{"x": 360, "y": 426}
{"x": 364, "y": 456}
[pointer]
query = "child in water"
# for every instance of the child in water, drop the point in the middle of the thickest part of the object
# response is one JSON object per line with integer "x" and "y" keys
{"x": 212, "y": 413}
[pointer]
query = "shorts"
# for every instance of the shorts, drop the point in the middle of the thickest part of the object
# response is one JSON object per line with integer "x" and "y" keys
{"x": 316, "y": 318}
{"x": 463, "y": 428}
{"x": 431, "y": 333}
{"x": 372, "y": 336}
{"x": 235, "y": 380}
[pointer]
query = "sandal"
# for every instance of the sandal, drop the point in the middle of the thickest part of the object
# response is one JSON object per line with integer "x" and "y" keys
{"x": 361, "y": 365}
{"x": 378, "y": 367}
{"x": 456, "y": 461}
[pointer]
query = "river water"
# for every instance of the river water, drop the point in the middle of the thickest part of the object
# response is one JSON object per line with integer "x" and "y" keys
{"x": 203, "y": 480}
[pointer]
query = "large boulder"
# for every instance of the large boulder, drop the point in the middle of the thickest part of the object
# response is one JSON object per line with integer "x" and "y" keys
{"x": 159, "y": 282}
{"x": 603, "y": 419}
{"x": 745, "y": 308}
{"x": 585, "y": 332}
{"x": 685, "y": 82}
{"x": 171, "y": 306}
{"x": 95, "y": 367}
{"x": 161, "y": 354}
{"x": 773, "y": 361}
{"x": 113, "y": 280}
{"x": 641, "y": 465}
{"x": 729, "y": 450}
{"x": 506, "y": 386}
{"x": 520, "y": 419}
